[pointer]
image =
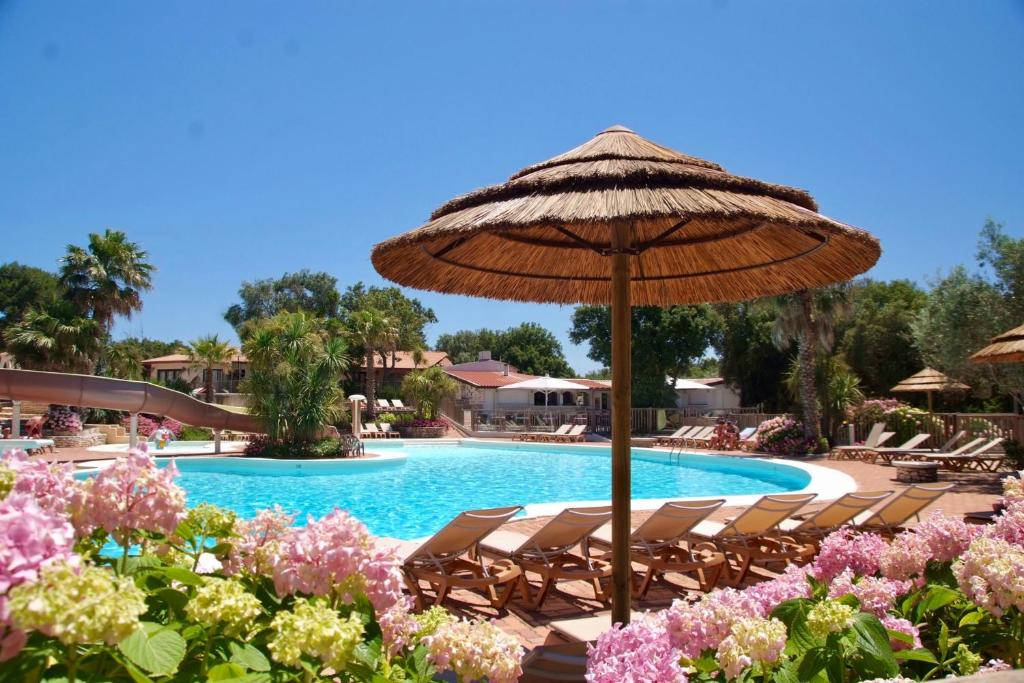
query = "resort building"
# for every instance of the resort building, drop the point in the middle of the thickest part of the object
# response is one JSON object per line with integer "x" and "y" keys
{"x": 704, "y": 394}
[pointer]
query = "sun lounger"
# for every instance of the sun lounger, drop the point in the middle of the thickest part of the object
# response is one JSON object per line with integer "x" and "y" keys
{"x": 549, "y": 551}
{"x": 889, "y": 518}
{"x": 657, "y": 544}
{"x": 577, "y": 433}
{"x": 30, "y": 446}
{"x": 666, "y": 440}
{"x": 383, "y": 403}
{"x": 443, "y": 561}
{"x": 873, "y": 440}
{"x": 871, "y": 455}
{"x": 973, "y": 460}
{"x": 557, "y": 662}
{"x": 387, "y": 432}
{"x": 681, "y": 439}
{"x": 814, "y": 526}
{"x": 748, "y": 442}
{"x": 370, "y": 431}
{"x": 694, "y": 438}
{"x": 754, "y": 536}
{"x": 545, "y": 436}
{"x": 397, "y": 403}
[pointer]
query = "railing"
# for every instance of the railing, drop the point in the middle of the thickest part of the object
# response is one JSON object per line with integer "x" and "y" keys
{"x": 645, "y": 421}
{"x": 942, "y": 426}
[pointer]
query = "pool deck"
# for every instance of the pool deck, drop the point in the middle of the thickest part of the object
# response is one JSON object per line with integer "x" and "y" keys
{"x": 974, "y": 491}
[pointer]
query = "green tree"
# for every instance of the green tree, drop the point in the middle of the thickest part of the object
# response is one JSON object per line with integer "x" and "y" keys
{"x": 372, "y": 330}
{"x": 55, "y": 337}
{"x": 807, "y": 320}
{"x": 836, "y": 384}
{"x": 877, "y": 340}
{"x": 106, "y": 278}
{"x": 465, "y": 346}
{"x": 207, "y": 353}
{"x": 666, "y": 344}
{"x": 410, "y": 316}
{"x": 294, "y": 378}
{"x": 313, "y": 292}
{"x": 1004, "y": 255}
{"x": 428, "y": 389}
{"x": 23, "y": 288}
{"x": 748, "y": 357}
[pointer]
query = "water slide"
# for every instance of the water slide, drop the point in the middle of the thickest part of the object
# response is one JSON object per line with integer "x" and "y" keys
{"x": 119, "y": 394}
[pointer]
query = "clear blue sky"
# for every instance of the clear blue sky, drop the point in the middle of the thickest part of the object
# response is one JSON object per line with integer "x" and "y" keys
{"x": 239, "y": 140}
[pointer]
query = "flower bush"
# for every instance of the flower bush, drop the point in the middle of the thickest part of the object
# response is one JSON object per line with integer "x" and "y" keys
{"x": 899, "y": 417}
{"x": 944, "y": 599}
{"x": 63, "y": 419}
{"x": 783, "y": 436}
{"x": 198, "y": 594}
{"x": 148, "y": 425}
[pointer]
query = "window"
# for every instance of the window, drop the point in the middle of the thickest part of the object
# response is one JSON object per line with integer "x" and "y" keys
{"x": 567, "y": 399}
{"x": 168, "y": 375}
{"x": 539, "y": 399}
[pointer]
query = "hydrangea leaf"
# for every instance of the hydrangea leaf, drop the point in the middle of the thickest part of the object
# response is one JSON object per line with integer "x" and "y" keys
{"x": 154, "y": 648}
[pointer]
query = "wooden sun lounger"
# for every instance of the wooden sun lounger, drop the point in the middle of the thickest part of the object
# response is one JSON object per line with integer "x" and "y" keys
{"x": 694, "y": 438}
{"x": 874, "y": 439}
{"x": 370, "y": 430}
{"x": 387, "y": 432}
{"x": 658, "y": 544}
{"x": 681, "y": 439}
{"x": 444, "y": 560}
{"x": 549, "y": 551}
{"x": 665, "y": 440}
{"x": 539, "y": 436}
{"x": 886, "y": 455}
{"x": 577, "y": 433}
{"x": 563, "y": 430}
{"x": 890, "y": 518}
{"x": 974, "y": 460}
{"x": 754, "y": 535}
{"x": 812, "y": 527}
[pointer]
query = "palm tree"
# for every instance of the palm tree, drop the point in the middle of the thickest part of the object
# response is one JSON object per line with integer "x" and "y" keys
{"x": 373, "y": 330}
{"x": 807, "y": 318}
{"x": 207, "y": 353}
{"x": 55, "y": 338}
{"x": 428, "y": 388}
{"x": 123, "y": 362}
{"x": 107, "y": 278}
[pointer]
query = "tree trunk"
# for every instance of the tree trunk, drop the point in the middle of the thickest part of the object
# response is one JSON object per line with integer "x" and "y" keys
{"x": 208, "y": 384}
{"x": 371, "y": 384}
{"x": 806, "y": 354}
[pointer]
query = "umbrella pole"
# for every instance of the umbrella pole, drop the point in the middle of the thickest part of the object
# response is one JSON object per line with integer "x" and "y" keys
{"x": 621, "y": 315}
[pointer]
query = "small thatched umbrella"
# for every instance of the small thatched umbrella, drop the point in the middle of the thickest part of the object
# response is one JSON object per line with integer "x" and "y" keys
{"x": 928, "y": 381}
{"x": 622, "y": 220}
{"x": 1007, "y": 347}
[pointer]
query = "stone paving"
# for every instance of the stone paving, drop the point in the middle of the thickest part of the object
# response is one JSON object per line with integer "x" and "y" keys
{"x": 974, "y": 491}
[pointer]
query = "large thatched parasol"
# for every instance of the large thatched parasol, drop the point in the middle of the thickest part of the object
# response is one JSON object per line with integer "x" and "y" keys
{"x": 928, "y": 381}
{"x": 1007, "y": 347}
{"x": 625, "y": 221}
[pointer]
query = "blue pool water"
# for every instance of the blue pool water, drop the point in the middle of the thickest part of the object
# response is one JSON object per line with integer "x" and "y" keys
{"x": 413, "y": 497}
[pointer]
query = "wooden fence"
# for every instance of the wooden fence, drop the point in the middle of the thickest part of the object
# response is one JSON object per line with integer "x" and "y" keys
{"x": 942, "y": 426}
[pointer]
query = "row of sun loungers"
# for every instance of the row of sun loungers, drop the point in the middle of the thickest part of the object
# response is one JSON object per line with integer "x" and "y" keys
{"x": 475, "y": 551}
{"x": 395, "y": 404}
{"x": 702, "y": 436}
{"x": 371, "y": 431}
{"x": 567, "y": 433}
{"x": 31, "y": 446}
{"x": 974, "y": 455}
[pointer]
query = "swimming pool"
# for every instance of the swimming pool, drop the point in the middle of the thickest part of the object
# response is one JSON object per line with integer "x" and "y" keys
{"x": 414, "y": 490}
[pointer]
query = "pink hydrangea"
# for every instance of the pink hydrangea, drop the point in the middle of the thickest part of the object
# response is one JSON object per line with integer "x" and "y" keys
{"x": 336, "y": 555}
{"x": 641, "y": 651}
{"x": 475, "y": 651}
{"x": 789, "y": 585}
{"x": 847, "y": 549}
{"x": 946, "y": 537}
{"x": 906, "y": 557}
{"x": 398, "y": 626}
{"x": 991, "y": 574}
{"x": 256, "y": 541}
{"x": 905, "y": 627}
{"x": 695, "y": 627}
{"x": 876, "y": 595}
{"x": 52, "y": 486}
{"x": 1009, "y": 526}
{"x": 30, "y": 538}
{"x": 133, "y": 494}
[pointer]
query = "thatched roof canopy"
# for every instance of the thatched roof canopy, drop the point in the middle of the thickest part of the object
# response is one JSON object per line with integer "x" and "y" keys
{"x": 1008, "y": 347}
{"x": 929, "y": 380}
{"x": 698, "y": 233}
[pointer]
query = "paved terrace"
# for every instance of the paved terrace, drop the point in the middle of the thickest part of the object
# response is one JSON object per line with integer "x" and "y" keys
{"x": 974, "y": 491}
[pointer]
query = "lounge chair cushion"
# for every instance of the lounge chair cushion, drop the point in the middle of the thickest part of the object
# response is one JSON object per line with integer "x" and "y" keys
{"x": 504, "y": 542}
{"x": 708, "y": 528}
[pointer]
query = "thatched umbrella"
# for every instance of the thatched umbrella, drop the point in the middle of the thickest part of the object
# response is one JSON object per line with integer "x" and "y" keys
{"x": 929, "y": 381}
{"x": 625, "y": 221}
{"x": 1007, "y": 347}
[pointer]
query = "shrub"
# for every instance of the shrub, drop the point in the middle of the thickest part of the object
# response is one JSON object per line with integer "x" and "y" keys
{"x": 148, "y": 425}
{"x": 389, "y": 418}
{"x": 210, "y": 597}
{"x": 428, "y": 388}
{"x": 899, "y": 417}
{"x": 262, "y": 446}
{"x": 63, "y": 419}
{"x": 783, "y": 436}
{"x": 190, "y": 433}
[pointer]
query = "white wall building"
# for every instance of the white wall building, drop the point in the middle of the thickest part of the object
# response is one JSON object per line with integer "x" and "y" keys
{"x": 706, "y": 393}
